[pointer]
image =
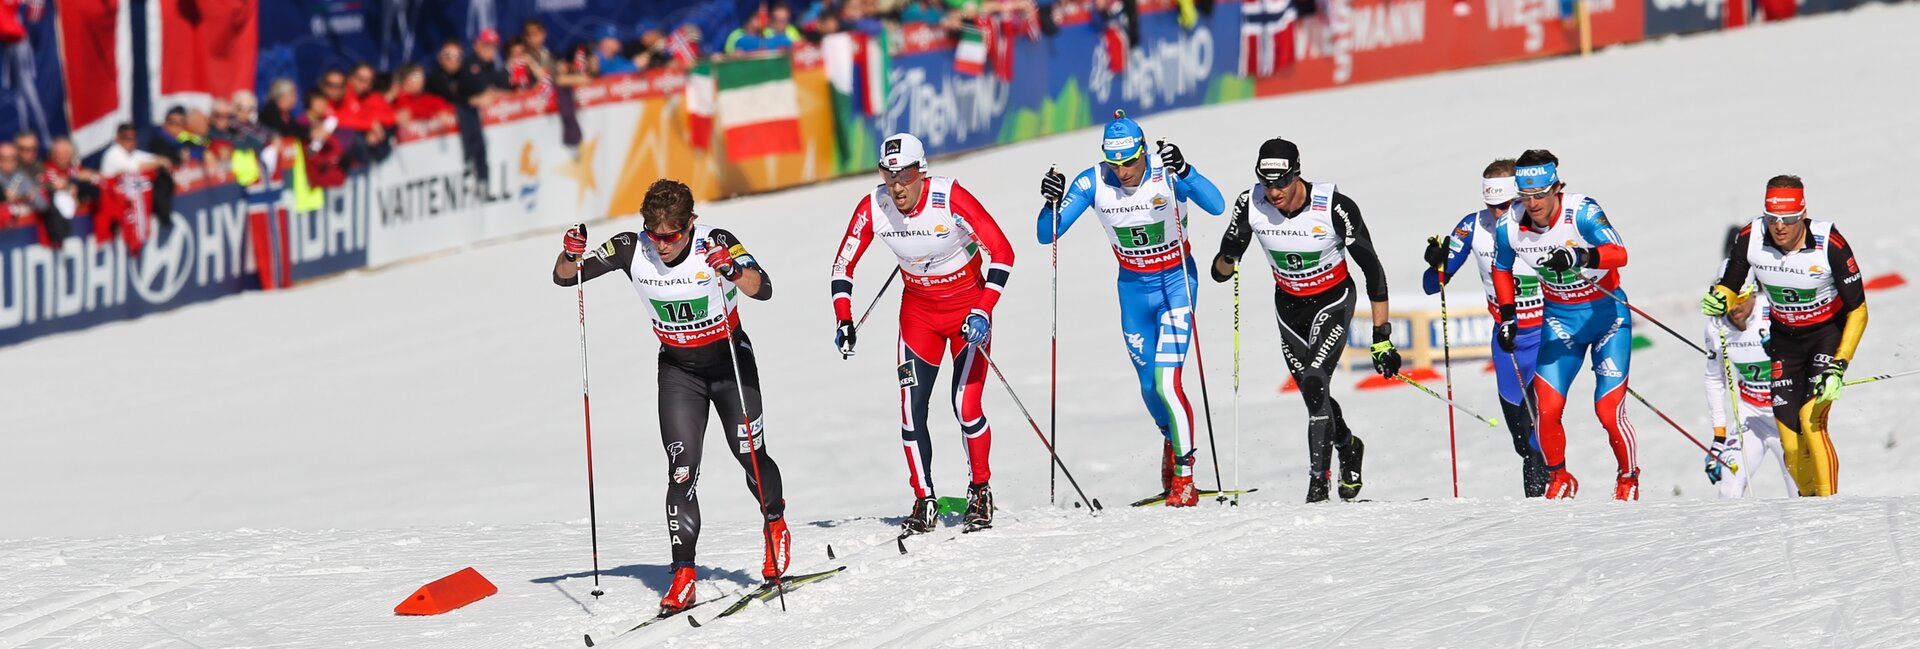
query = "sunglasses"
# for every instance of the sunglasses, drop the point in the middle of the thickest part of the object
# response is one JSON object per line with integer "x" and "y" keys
{"x": 1136, "y": 157}
{"x": 1785, "y": 220}
{"x": 1536, "y": 196}
{"x": 669, "y": 237}
{"x": 905, "y": 174}
{"x": 1281, "y": 181}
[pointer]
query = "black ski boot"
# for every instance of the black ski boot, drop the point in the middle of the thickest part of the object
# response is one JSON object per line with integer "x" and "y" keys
{"x": 1534, "y": 475}
{"x": 1316, "y": 487}
{"x": 979, "y": 514}
{"x": 925, "y": 517}
{"x": 1350, "y": 467}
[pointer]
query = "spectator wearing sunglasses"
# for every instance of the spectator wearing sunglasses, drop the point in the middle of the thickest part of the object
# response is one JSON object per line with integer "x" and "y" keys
{"x": 1819, "y": 312}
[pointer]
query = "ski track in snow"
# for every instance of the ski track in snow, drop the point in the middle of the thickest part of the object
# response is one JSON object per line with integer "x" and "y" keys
{"x": 280, "y": 470}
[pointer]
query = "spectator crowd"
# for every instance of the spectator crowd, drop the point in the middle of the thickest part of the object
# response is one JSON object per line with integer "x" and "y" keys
{"x": 352, "y": 118}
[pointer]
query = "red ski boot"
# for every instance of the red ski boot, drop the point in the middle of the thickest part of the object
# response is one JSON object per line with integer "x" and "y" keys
{"x": 1562, "y": 485}
{"x": 1182, "y": 493}
{"x": 1627, "y": 486}
{"x": 680, "y": 594}
{"x": 779, "y": 549}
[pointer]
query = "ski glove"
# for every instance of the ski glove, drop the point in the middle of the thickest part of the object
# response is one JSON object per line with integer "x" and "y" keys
{"x": 1507, "y": 329}
{"x": 1563, "y": 259}
{"x": 1386, "y": 359}
{"x": 1436, "y": 253}
{"x": 1173, "y": 160}
{"x": 1726, "y": 450}
{"x": 843, "y": 338}
{"x": 1718, "y": 300}
{"x": 1827, "y": 387}
{"x": 976, "y": 327}
{"x": 1053, "y": 186}
{"x": 721, "y": 260}
{"x": 576, "y": 242}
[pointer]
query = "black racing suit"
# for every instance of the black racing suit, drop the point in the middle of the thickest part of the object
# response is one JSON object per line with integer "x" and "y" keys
{"x": 1313, "y": 328}
{"x": 691, "y": 379}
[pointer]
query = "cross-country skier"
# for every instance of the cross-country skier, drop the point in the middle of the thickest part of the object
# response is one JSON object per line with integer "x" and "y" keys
{"x": 690, "y": 275}
{"x": 1742, "y": 332}
{"x": 1140, "y": 200}
{"x": 1513, "y": 371}
{"x": 937, "y": 232}
{"x": 1567, "y": 239}
{"x": 1819, "y": 312}
{"x": 1308, "y": 230}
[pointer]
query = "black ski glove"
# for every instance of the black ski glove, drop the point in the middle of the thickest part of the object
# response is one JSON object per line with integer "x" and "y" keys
{"x": 1436, "y": 254}
{"x": 1053, "y": 186}
{"x": 1508, "y": 328}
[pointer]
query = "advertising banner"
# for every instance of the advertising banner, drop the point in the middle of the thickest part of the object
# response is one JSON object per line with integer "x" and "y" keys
{"x": 204, "y": 254}
{"x": 1354, "y": 41}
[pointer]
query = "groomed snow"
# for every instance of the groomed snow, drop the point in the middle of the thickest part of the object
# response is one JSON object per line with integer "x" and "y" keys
{"x": 280, "y": 470}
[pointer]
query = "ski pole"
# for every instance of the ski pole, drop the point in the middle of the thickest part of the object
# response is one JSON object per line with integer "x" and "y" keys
{"x": 1676, "y": 426}
{"x": 1495, "y": 423}
{"x": 1446, "y": 356}
{"x": 876, "y": 300}
{"x": 1881, "y": 377}
{"x": 1656, "y": 321}
{"x": 754, "y": 442}
{"x": 1093, "y": 506}
{"x": 586, "y": 410}
{"x": 1053, "y": 369}
{"x": 1236, "y": 383}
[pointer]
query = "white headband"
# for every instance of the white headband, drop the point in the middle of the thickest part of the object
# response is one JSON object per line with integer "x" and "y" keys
{"x": 1498, "y": 191}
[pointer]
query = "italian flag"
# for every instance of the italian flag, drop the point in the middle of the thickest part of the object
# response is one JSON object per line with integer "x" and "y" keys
{"x": 970, "y": 56}
{"x": 752, "y": 101}
{"x": 699, "y": 93}
{"x": 857, "y": 67}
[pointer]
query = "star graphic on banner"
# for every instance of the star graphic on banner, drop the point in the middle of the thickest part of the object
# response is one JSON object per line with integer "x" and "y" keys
{"x": 581, "y": 169}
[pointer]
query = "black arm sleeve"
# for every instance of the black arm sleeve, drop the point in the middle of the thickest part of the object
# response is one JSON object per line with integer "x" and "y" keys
{"x": 1737, "y": 267}
{"x": 1846, "y": 272}
{"x": 1239, "y": 233}
{"x": 1359, "y": 245}
{"x": 615, "y": 254}
{"x": 745, "y": 260}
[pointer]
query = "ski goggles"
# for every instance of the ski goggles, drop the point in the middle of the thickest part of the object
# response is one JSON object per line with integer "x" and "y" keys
{"x": 669, "y": 237}
{"x": 1499, "y": 191}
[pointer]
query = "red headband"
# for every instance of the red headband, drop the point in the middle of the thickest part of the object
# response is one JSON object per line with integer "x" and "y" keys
{"x": 1786, "y": 201}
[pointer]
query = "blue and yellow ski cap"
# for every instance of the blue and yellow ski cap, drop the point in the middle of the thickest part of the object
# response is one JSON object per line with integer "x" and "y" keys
{"x": 1123, "y": 140}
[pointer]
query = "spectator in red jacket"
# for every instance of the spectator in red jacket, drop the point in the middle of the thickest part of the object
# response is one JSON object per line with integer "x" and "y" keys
{"x": 413, "y": 105}
{"x": 325, "y": 156}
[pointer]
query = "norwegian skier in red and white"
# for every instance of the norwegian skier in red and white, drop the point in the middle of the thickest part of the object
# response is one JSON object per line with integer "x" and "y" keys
{"x": 937, "y": 232}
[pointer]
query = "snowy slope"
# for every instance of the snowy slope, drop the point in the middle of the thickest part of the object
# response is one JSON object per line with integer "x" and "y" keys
{"x": 376, "y": 431}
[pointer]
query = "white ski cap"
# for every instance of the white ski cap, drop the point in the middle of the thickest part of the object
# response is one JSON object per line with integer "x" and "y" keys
{"x": 902, "y": 150}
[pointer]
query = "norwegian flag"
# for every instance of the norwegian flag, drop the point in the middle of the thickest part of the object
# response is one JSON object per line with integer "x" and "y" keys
{"x": 684, "y": 48}
{"x": 1266, "y": 34}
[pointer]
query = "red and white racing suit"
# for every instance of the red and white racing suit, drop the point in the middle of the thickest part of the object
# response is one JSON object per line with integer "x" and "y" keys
{"x": 938, "y": 245}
